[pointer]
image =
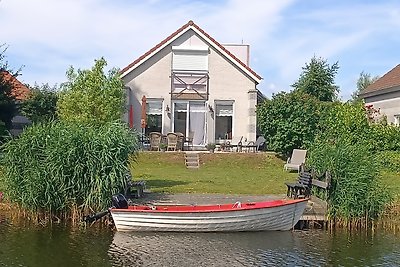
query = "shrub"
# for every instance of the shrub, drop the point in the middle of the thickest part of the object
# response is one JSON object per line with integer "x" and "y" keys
{"x": 55, "y": 166}
{"x": 41, "y": 104}
{"x": 389, "y": 160}
{"x": 289, "y": 120}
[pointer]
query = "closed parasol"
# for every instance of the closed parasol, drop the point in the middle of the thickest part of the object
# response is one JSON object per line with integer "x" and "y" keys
{"x": 143, "y": 120}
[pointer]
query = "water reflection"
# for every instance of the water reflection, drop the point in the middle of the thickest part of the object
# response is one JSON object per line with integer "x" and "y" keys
{"x": 205, "y": 249}
{"x": 27, "y": 245}
{"x": 298, "y": 248}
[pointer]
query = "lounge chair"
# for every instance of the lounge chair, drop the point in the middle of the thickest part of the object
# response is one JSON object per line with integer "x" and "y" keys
{"x": 296, "y": 160}
{"x": 155, "y": 140}
{"x": 255, "y": 146}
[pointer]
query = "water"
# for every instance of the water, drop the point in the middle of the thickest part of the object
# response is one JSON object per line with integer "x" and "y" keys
{"x": 26, "y": 245}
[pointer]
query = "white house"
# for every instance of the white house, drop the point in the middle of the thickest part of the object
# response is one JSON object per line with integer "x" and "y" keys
{"x": 384, "y": 94}
{"x": 194, "y": 85}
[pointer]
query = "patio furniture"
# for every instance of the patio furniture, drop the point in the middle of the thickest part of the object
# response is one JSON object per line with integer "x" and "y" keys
{"x": 181, "y": 141}
{"x": 155, "y": 140}
{"x": 235, "y": 143}
{"x": 298, "y": 158}
{"x": 134, "y": 189}
{"x": 302, "y": 187}
{"x": 172, "y": 141}
{"x": 189, "y": 140}
{"x": 255, "y": 146}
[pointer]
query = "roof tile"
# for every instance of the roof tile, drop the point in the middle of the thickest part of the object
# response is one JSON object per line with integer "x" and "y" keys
{"x": 19, "y": 90}
{"x": 389, "y": 80}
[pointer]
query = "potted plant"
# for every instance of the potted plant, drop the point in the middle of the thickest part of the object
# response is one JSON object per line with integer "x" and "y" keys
{"x": 163, "y": 147}
{"x": 210, "y": 147}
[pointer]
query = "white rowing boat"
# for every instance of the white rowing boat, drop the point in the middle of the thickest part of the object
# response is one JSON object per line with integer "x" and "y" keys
{"x": 236, "y": 217}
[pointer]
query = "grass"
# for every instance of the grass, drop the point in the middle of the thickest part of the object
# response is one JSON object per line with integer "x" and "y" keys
{"x": 225, "y": 173}
{"x": 233, "y": 173}
{"x": 392, "y": 181}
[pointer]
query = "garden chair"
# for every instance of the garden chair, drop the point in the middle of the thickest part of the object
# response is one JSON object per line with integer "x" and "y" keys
{"x": 257, "y": 145}
{"x": 155, "y": 140}
{"x": 236, "y": 143}
{"x": 296, "y": 160}
{"x": 181, "y": 141}
{"x": 172, "y": 141}
{"x": 189, "y": 140}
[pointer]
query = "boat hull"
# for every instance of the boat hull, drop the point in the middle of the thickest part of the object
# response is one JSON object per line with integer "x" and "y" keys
{"x": 260, "y": 216}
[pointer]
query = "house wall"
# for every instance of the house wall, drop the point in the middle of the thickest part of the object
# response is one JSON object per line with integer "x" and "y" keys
{"x": 388, "y": 103}
{"x": 226, "y": 82}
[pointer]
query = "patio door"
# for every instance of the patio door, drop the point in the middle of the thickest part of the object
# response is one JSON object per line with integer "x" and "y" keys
{"x": 190, "y": 119}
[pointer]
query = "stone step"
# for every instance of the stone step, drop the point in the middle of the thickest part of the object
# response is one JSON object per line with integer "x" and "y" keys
{"x": 192, "y": 160}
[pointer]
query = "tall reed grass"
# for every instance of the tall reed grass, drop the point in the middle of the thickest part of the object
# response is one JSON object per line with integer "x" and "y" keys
{"x": 357, "y": 194}
{"x": 60, "y": 168}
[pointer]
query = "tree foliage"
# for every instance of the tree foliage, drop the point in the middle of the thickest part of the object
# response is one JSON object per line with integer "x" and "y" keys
{"x": 364, "y": 80}
{"x": 91, "y": 96}
{"x": 318, "y": 80}
{"x": 41, "y": 104}
{"x": 289, "y": 120}
{"x": 7, "y": 100}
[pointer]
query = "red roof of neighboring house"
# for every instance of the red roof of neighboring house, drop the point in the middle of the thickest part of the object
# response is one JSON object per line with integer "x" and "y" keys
{"x": 389, "y": 80}
{"x": 180, "y": 31}
{"x": 19, "y": 90}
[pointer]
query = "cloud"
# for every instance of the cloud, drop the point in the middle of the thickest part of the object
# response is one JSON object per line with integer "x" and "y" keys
{"x": 48, "y": 36}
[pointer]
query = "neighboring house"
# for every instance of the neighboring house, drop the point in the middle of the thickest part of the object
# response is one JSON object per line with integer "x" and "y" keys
{"x": 194, "y": 85}
{"x": 384, "y": 94}
{"x": 20, "y": 92}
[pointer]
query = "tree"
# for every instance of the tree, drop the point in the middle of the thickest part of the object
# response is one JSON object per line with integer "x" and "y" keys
{"x": 363, "y": 82}
{"x": 289, "y": 120}
{"x": 7, "y": 100}
{"x": 91, "y": 96}
{"x": 41, "y": 105}
{"x": 317, "y": 79}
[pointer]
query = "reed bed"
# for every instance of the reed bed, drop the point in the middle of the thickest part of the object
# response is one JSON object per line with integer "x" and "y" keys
{"x": 58, "y": 170}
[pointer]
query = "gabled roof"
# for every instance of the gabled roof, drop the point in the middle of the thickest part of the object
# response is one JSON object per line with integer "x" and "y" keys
{"x": 18, "y": 90}
{"x": 203, "y": 34}
{"x": 387, "y": 81}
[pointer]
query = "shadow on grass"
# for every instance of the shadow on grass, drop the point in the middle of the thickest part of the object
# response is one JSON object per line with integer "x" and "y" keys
{"x": 164, "y": 183}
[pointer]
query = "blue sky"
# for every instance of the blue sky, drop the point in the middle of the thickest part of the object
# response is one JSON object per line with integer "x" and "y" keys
{"x": 45, "y": 37}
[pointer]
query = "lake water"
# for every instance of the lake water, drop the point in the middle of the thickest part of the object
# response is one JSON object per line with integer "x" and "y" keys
{"x": 26, "y": 245}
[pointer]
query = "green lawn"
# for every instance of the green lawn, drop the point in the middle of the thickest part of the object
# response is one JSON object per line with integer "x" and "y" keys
{"x": 227, "y": 173}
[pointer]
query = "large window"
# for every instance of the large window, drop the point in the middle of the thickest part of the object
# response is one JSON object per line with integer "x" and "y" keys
{"x": 154, "y": 116}
{"x": 223, "y": 120}
{"x": 190, "y": 119}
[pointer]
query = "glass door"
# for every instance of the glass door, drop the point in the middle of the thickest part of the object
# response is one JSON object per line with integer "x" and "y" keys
{"x": 190, "y": 119}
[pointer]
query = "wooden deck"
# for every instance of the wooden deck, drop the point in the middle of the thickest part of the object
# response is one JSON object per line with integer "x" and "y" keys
{"x": 315, "y": 211}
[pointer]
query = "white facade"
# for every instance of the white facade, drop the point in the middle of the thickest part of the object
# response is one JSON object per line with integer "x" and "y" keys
{"x": 195, "y": 86}
{"x": 387, "y": 103}
{"x": 384, "y": 95}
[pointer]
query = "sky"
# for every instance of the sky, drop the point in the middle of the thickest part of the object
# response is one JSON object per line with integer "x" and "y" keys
{"x": 45, "y": 37}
